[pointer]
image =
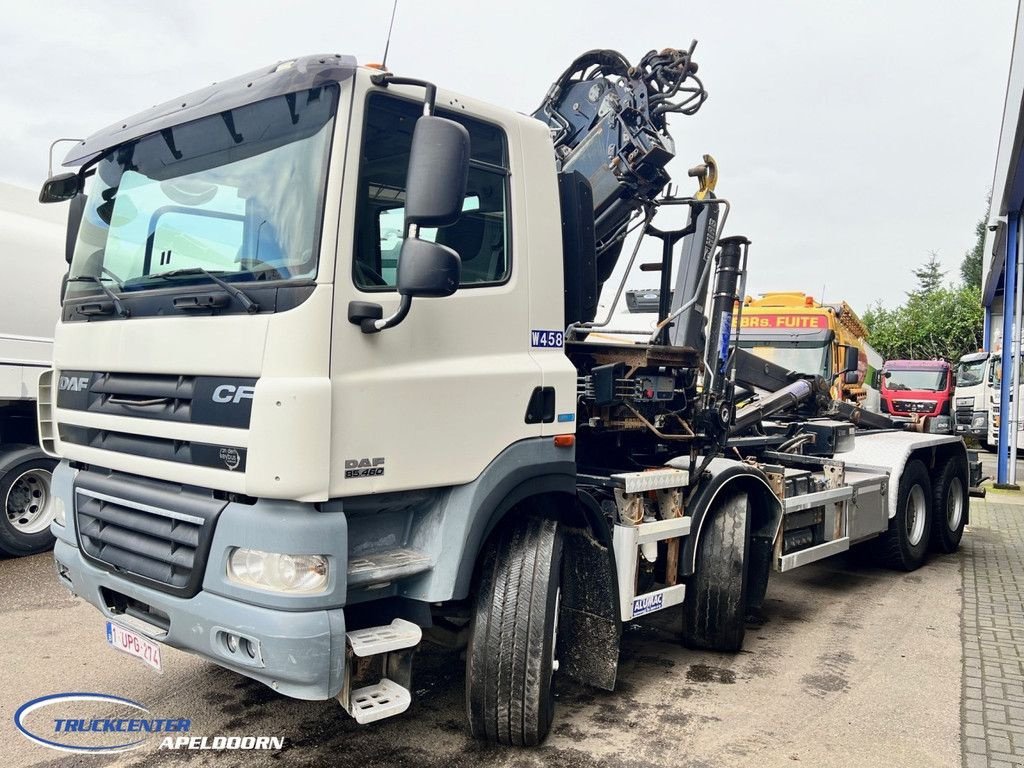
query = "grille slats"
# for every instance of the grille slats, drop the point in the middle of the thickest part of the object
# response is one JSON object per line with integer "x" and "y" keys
{"x": 158, "y": 527}
{"x": 151, "y": 532}
{"x": 162, "y": 550}
{"x": 142, "y": 566}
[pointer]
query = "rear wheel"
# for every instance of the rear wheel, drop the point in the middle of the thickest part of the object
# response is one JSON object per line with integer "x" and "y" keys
{"x": 715, "y": 607}
{"x": 949, "y": 506}
{"x": 510, "y": 661}
{"x": 27, "y": 498}
{"x": 905, "y": 545}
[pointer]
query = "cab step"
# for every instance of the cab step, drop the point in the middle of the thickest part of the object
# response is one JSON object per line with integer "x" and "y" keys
{"x": 387, "y": 565}
{"x": 395, "y": 644}
{"x": 375, "y": 702}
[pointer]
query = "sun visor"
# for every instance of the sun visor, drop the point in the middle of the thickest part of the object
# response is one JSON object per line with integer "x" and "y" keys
{"x": 280, "y": 78}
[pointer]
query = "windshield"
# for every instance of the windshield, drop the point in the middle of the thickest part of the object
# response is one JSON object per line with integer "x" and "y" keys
{"x": 239, "y": 194}
{"x": 970, "y": 374}
{"x": 812, "y": 360}
{"x": 919, "y": 380}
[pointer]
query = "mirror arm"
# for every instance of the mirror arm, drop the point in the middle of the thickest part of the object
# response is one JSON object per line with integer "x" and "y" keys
{"x": 430, "y": 97}
{"x": 373, "y": 326}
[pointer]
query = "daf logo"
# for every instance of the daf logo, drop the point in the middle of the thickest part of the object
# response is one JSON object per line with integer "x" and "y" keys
{"x": 73, "y": 383}
{"x": 229, "y": 393}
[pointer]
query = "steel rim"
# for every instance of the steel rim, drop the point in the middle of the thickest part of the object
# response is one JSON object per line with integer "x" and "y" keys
{"x": 915, "y": 516}
{"x": 955, "y": 504}
{"x": 29, "y": 502}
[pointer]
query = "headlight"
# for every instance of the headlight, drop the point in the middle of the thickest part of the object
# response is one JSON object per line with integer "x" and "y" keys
{"x": 59, "y": 513}
{"x": 304, "y": 574}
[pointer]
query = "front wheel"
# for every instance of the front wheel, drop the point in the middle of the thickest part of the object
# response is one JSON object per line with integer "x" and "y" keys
{"x": 949, "y": 506}
{"x": 510, "y": 661}
{"x": 28, "y": 504}
{"x": 905, "y": 545}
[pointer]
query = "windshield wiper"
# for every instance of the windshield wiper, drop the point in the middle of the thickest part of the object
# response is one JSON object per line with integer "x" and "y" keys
{"x": 247, "y": 302}
{"x": 121, "y": 309}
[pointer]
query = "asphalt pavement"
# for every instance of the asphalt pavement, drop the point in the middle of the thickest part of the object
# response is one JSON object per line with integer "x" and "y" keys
{"x": 853, "y": 666}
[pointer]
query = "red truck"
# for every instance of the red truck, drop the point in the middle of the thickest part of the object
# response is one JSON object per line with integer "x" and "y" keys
{"x": 920, "y": 392}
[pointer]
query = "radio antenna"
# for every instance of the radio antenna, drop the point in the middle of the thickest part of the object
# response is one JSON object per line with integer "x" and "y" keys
{"x": 391, "y": 26}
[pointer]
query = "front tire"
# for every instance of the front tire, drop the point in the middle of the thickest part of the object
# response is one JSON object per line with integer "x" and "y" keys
{"x": 949, "y": 506}
{"x": 905, "y": 545}
{"x": 26, "y": 501}
{"x": 715, "y": 608}
{"x": 510, "y": 659}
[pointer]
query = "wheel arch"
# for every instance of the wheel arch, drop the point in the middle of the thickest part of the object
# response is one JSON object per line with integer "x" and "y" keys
{"x": 590, "y": 627}
{"x": 766, "y": 508}
{"x": 934, "y": 458}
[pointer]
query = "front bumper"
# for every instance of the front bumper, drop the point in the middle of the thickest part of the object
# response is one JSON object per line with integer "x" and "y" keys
{"x": 301, "y": 653}
{"x": 300, "y": 639}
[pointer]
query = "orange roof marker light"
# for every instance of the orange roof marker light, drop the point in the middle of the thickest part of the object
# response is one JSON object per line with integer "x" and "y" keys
{"x": 565, "y": 441}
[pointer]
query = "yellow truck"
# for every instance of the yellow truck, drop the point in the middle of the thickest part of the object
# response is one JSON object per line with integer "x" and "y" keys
{"x": 794, "y": 330}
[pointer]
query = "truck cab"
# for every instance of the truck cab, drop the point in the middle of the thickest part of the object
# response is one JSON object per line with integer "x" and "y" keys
{"x": 795, "y": 331}
{"x": 973, "y": 392}
{"x": 919, "y": 391}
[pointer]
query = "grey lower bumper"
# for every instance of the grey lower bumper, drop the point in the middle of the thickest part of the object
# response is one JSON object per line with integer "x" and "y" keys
{"x": 302, "y": 653}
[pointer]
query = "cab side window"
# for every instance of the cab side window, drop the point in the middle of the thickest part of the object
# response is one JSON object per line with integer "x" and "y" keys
{"x": 480, "y": 236}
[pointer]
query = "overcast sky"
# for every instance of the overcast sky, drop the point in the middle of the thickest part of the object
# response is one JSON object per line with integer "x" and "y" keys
{"x": 853, "y": 138}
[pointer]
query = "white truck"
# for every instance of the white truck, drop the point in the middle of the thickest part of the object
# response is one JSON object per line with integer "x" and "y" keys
{"x": 973, "y": 397}
{"x": 977, "y": 399}
{"x": 32, "y": 238}
{"x": 288, "y": 444}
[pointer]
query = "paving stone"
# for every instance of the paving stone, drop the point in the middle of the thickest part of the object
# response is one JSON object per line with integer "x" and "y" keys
{"x": 992, "y": 630}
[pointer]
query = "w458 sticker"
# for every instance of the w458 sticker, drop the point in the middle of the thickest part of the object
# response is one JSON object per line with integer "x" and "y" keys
{"x": 547, "y": 339}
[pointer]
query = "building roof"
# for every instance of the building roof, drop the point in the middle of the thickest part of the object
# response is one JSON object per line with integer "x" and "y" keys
{"x": 1008, "y": 178}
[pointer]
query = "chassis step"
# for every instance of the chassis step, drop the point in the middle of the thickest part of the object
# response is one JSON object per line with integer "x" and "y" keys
{"x": 375, "y": 702}
{"x": 395, "y": 644}
{"x": 387, "y": 565}
{"x": 390, "y": 637}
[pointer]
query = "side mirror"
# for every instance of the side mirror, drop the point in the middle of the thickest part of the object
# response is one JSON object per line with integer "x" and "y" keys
{"x": 427, "y": 269}
{"x": 438, "y": 170}
{"x": 851, "y": 377}
{"x": 63, "y": 186}
{"x": 435, "y": 190}
{"x": 852, "y": 358}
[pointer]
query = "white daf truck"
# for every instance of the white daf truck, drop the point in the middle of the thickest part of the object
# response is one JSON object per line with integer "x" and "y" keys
{"x": 32, "y": 239}
{"x": 290, "y": 440}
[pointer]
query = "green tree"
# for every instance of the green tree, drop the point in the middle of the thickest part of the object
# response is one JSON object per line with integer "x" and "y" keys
{"x": 929, "y": 276}
{"x": 942, "y": 323}
{"x": 970, "y": 267}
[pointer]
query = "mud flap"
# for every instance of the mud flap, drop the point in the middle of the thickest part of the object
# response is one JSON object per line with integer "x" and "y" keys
{"x": 588, "y": 624}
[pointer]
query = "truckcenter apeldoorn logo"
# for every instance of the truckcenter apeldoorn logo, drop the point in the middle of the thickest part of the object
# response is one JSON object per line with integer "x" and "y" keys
{"x": 98, "y": 723}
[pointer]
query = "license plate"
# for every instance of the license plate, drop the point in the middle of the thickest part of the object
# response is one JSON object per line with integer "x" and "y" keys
{"x": 134, "y": 644}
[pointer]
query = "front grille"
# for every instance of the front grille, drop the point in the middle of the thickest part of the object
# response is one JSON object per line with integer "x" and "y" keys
{"x": 163, "y": 448}
{"x": 914, "y": 406}
{"x": 964, "y": 415}
{"x": 224, "y": 401}
{"x": 154, "y": 533}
